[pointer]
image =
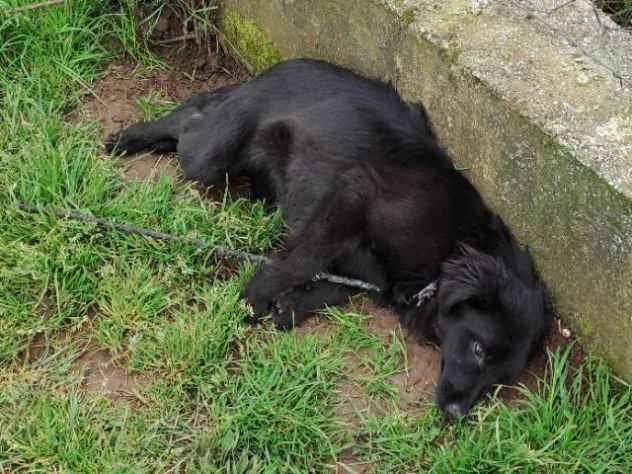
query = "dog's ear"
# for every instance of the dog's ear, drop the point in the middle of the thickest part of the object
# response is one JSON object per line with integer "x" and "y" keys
{"x": 472, "y": 278}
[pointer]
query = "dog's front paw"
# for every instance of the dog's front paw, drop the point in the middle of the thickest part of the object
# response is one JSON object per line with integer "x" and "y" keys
{"x": 287, "y": 312}
{"x": 283, "y": 315}
{"x": 257, "y": 307}
{"x": 255, "y": 312}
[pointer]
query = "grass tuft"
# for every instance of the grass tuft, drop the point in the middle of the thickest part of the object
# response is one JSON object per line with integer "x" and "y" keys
{"x": 619, "y": 10}
{"x": 153, "y": 106}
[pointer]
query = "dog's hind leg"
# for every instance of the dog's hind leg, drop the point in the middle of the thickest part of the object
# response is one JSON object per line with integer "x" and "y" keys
{"x": 158, "y": 136}
{"x": 162, "y": 135}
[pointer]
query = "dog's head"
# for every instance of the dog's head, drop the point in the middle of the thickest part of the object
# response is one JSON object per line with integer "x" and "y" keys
{"x": 491, "y": 315}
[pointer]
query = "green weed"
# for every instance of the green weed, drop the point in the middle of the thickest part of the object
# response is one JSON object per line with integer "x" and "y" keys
{"x": 154, "y": 106}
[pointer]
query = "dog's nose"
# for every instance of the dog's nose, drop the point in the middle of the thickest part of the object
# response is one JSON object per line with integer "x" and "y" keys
{"x": 455, "y": 410}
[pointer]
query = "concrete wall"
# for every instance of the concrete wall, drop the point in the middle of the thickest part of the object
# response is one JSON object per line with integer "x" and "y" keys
{"x": 550, "y": 150}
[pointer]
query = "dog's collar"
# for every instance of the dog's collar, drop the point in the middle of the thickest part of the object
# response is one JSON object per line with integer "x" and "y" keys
{"x": 425, "y": 294}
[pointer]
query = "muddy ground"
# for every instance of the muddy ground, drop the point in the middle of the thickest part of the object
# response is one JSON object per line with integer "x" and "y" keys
{"x": 194, "y": 69}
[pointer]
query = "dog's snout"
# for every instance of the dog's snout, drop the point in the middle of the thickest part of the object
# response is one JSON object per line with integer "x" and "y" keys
{"x": 454, "y": 394}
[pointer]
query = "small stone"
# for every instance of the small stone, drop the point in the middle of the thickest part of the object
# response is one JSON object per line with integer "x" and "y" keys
{"x": 162, "y": 25}
{"x": 566, "y": 333}
{"x": 477, "y": 6}
{"x": 582, "y": 79}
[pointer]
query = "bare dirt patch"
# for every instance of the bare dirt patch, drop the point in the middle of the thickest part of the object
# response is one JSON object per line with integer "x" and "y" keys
{"x": 418, "y": 382}
{"x": 35, "y": 349}
{"x": 95, "y": 368}
{"x": 105, "y": 374}
{"x": 415, "y": 385}
{"x": 191, "y": 69}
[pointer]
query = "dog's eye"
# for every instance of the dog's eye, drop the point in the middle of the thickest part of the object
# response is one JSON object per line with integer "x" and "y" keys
{"x": 479, "y": 351}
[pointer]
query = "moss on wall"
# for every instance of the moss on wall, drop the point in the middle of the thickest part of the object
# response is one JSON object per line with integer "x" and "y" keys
{"x": 249, "y": 41}
{"x": 408, "y": 16}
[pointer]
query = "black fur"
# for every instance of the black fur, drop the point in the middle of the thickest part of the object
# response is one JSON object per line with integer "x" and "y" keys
{"x": 366, "y": 191}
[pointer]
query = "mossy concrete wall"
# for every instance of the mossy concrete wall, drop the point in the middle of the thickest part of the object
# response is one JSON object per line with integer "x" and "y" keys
{"x": 551, "y": 151}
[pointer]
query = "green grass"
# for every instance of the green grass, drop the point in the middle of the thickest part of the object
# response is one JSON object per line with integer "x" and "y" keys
{"x": 619, "y": 10}
{"x": 154, "y": 106}
{"x": 574, "y": 423}
{"x": 215, "y": 394}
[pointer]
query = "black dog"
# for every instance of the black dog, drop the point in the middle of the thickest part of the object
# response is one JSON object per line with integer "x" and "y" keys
{"x": 367, "y": 192}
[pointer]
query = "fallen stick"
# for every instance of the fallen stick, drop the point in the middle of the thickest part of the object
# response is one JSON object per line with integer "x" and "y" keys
{"x": 35, "y": 6}
{"x": 175, "y": 39}
{"x": 218, "y": 250}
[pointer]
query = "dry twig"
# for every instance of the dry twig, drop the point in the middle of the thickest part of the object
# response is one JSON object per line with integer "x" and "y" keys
{"x": 218, "y": 250}
{"x": 35, "y": 6}
{"x": 176, "y": 39}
